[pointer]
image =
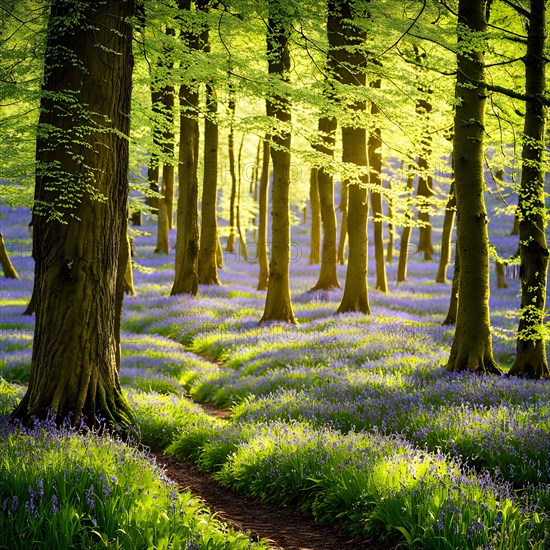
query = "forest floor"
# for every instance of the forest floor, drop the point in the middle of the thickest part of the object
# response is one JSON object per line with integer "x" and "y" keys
{"x": 285, "y": 527}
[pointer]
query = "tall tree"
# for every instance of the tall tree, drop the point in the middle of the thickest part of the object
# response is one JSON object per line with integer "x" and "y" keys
{"x": 530, "y": 358}
{"x": 314, "y": 201}
{"x": 79, "y": 214}
{"x": 263, "y": 200}
{"x": 278, "y": 305}
{"x": 406, "y": 232}
{"x": 354, "y": 151}
{"x": 186, "y": 280}
{"x": 472, "y": 347}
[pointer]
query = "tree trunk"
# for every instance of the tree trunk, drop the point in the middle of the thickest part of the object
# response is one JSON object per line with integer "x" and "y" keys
{"x": 77, "y": 238}
{"x": 530, "y": 358}
{"x": 263, "y": 199}
{"x": 452, "y": 312}
{"x": 242, "y": 240}
{"x": 500, "y": 269}
{"x": 278, "y": 306}
{"x": 186, "y": 280}
{"x": 208, "y": 265}
{"x": 314, "y": 201}
{"x": 389, "y": 250}
{"x": 405, "y": 234}
{"x": 343, "y": 207}
{"x": 354, "y": 150}
{"x": 375, "y": 165}
{"x": 446, "y": 236}
{"x": 230, "y": 246}
{"x": 126, "y": 266}
{"x": 472, "y": 347}
{"x": 9, "y": 271}
{"x": 328, "y": 276}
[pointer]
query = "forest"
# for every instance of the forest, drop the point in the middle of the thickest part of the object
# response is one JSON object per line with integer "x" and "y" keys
{"x": 274, "y": 274}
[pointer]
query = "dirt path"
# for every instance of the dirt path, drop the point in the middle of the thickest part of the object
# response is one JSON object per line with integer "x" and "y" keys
{"x": 285, "y": 527}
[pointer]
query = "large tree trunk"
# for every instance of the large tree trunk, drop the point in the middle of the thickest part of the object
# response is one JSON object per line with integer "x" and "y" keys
{"x": 446, "y": 236}
{"x": 530, "y": 358}
{"x": 186, "y": 280}
{"x": 278, "y": 306}
{"x": 405, "y": 234}
{"x": 9, "y": 271}
{"x": 263, "y": 199}
{"x": 208, "y": 265}
{"x": 75, "y": 349}
{"x": 328, "y": 276}
{"x": 471, "y": 348}
{"x": 314, "y": 201}
{"x": 354, "y": 150}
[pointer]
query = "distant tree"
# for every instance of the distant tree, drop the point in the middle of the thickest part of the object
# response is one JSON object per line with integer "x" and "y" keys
{"x": 314, "y": 202}
{"x": 403, "y": 263}
{"x": 448, "y": 223}
{"x": 471, "y": 348}
{"x": 263, "y": 200}
{"x": 79, "y": 214}
{"x": 9, "y": 271}
{"x": 278, "y": 305}
{"x": 530, "y": 358}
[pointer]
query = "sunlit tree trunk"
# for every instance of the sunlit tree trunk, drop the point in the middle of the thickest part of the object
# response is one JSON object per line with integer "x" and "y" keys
{"x": 230, "y": 245}
{"x": 240, "y": 233}
{"x": 263, "y": 199}
{"x": 343, "y": 207}
{"x": 530, "y": 358}
{"x": 314, "y": 201}
{"x": 278, "y": 306}
{"x": 354, "y": 150}
{"x": 186, "y": 280}
{"x": 472, "y": 347}
{"x": 405, "y": 234}
{"x": 9, "y": 271}
{"x": 452, "y": 312}
{"x": 446, "y": 236}
{"x": 75, "y": 346}
{"x": 389, "y": 250}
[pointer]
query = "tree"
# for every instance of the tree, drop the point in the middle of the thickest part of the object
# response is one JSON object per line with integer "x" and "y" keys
{"x": 278, "y": 306}
{"x": 79, "y": 214}
{"x": 530, "y": 358}
{"x": 314, "y": 202}
{"x": 448, "y": 223}
{"x": 263, "y": 199}
{"x": 354, "y": 151}
{"x": 471, "y": 348}
{"x": 406, "y": 232}
{"x": 9, "y": 271}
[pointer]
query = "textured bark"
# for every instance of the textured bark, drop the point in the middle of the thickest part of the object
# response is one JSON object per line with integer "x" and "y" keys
{"x": 472, "y": 347}
{"x": 375, "y": 164}
{"x": 354, "y": 150}
{"x": 263, "y": 199}
{"x": 278, "y": 306}
{"x": 530, "y": 358}
{"x": 343, "y": 207}
{"x": 405, "y": 236}
{"x": 75, "y": 347}
{"x": 208, "y": 265}
{"x": 314, "y": 201}
{"x": 9, "y": 271}
{"x": 446, "y": 237}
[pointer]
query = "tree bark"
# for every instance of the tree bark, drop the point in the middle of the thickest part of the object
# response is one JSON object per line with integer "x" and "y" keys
{"x": 263, "y": 199}
{"x": 405, "y": 235}
{"x": 389, "y": 250}
{"x": 354, "y": 150}
{"x": 314, "y": 201}
{"x": 278, "y": 305}
{"x": 472, "y": 347}
{"x": 77, "y": 238}
{"x": 530, "y": 358}
{"x": 230, "y": 246}
{"x": 9, "y": 271}
{"x": 343, "y": 207}
{"x": 452, "y": 312}
{"x": 446, "y": 236}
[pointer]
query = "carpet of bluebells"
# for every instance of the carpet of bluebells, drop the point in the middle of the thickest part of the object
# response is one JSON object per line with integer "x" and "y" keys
{"x": 350, "y": 418}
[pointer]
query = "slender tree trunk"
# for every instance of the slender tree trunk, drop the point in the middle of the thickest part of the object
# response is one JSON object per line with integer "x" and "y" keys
{"x": 278, "y": 306}
{"x": 500, "y": 270}
{"x": 186, "y": 280}
{"x": 314, "y": 201}
{"x": 343, "y": 207}
{"x": 452, "y": 312}
{"x": 446, "y": 236}
{"x": 263, "y": 199}
{"x": 389, "y": 250}
{"x": 242, "y": 240}
{"x": 354, "y": 150}
{"x": 9, "y": 271}
{"x": 208, "y": 265}
{"x": 375, "y": 164}
{"x": 530, "y": 358}
{"x": 153, "y": 166}
{"x": 328, "y": 276}
{"x": 472, "y": 347}
{"x": 75, "y": 346}
{"x": 405, "y": 234}
{"x": 126, "y": 266}
{"x": 230, "y": 246}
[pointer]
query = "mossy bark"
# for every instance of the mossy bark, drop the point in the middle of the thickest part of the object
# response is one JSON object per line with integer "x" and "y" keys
{"x": 77, "y": 263}
{"x": 278, "y": 305}
{"x": 530, "y": 358}
{"x": 472, "y": 347}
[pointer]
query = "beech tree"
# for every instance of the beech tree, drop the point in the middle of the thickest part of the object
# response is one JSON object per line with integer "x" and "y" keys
{"x": 471, "y": 348}
{"x": 79, "y": 214}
